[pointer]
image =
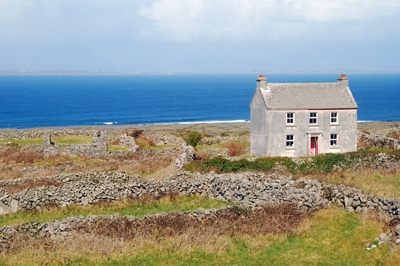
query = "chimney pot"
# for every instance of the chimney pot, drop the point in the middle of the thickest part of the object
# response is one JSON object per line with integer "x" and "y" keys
{"x": 261, "y": 81}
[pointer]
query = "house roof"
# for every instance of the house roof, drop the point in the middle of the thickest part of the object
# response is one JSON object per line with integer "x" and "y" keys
{"x": 334, "y": 95}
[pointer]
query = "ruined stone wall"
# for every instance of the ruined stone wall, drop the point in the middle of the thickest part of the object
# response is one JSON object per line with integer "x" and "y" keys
{"x": 97, "y": 149}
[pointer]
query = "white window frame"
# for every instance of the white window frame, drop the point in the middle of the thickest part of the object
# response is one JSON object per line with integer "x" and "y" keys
{"x": 334, "y": 118}
{"x": 313, "y": 118}
{"x": 334, "y": 140}
{"x": 290, "y": 118}
{"x": 290, "y": 141}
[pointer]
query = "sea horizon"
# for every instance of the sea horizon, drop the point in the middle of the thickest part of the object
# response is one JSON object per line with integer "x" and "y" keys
{"x": 36, "y": 101}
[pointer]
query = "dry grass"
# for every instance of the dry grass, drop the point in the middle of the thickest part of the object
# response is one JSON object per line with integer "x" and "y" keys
{"x": 145, "y": 142}
{"x": 380, "y": 182}
{"x": 30, "y": 184}
{"x": 109, "y": 234}
{"x": 15, "y": 155}
{"x": 236, "y": 148}
{"x": 18, "y": 161}
{"x": 274, "y": 235}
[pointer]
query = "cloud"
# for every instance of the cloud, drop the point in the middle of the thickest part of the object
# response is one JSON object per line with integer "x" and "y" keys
{"x": 241, "y": 19}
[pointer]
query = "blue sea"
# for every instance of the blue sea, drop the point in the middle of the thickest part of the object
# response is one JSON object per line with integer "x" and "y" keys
{"x": 46, "y": 101}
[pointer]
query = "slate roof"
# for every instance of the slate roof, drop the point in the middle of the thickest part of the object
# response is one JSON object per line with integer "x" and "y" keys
{"x": 289, "y": 96}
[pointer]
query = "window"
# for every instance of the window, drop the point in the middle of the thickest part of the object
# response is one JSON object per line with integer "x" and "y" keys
{"x": 313, "y": 118}
{"x": 334, "y": 140}
{"x": 290, "y": 118}
{"x": 289, "y": 141}
{"x": 334, "y": 118}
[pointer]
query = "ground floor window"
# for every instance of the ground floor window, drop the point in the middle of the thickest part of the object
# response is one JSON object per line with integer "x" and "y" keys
{"x": 334, "y": 140}
{"x": 289, "y": 141}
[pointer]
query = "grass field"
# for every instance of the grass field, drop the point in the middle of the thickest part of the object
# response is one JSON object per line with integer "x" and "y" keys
{"x": 325, "y": 237}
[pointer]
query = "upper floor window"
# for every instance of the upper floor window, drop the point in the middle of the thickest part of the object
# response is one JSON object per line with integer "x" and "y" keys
{"x": 334, "y": 139}
{"x": 289, "y": 141}
{"x": 290, "y": 118}
{"x": 334, "y": 118}
{"x": 313, "y": 118}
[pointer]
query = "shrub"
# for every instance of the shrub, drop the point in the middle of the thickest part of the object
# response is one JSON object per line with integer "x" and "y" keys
{"x": 192, "y": 138}
{"x": 135, "y": 133}
{"x": 235, "y": 148}
{"x": 202, "y": 156}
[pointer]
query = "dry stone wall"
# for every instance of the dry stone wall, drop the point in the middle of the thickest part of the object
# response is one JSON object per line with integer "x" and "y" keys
{"x": 97, "y": 149}
{"x": 379, "y": 139}
{"x": 249, "y": 190}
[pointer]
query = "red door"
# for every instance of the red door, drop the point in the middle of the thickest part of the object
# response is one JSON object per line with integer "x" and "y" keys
{"x": 314, "y": 145}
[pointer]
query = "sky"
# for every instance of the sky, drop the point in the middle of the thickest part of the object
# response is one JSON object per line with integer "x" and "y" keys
{"x": 200, "y": 36}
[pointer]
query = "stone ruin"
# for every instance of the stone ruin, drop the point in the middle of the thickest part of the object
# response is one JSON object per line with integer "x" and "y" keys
{"x": 97, "y": 149}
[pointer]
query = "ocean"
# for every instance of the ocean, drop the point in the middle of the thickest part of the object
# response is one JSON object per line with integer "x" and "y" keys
{"x": 47, "y": 101}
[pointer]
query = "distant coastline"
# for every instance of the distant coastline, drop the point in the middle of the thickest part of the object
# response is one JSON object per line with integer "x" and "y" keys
{"x": 150, "y": 73}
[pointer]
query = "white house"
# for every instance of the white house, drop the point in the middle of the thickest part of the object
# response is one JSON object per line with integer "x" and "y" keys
{"x": 299, "y": 119}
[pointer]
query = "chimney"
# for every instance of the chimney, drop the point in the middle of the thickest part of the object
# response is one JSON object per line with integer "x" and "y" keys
{"x": 261, "y": 82}
{"x": 343, "y": 80}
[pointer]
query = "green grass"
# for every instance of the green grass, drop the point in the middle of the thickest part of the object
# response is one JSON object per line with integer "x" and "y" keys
{"x": 334, "y": 237}
{"x": 374, "y": 183}
{"x": 72, "y": 139}
{"x": 22, "y": 142}
{"x": 124, "y": 207}
{"x": 39, "y": 141}
{"x": 328, "y": 237}
{"x": 123, "y": 148}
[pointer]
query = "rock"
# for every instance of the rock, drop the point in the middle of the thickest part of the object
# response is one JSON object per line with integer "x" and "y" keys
{"x": 4, "y": 209}
{"x": 384, "y": 238}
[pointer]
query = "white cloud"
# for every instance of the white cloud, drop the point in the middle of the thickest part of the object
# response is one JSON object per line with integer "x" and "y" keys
{"x": 196, "y": 19}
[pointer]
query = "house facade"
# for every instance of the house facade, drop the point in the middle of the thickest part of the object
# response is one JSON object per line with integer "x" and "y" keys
{"x": 300, "y": 119}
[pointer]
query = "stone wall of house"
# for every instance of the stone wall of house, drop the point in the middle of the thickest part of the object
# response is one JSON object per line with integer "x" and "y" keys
{"x": 97, "y": 149}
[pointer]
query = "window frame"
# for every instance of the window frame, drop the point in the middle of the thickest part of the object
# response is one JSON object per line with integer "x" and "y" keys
{"x": 290, "y": 141}
{"x": 313, "y": 120}
{"x": 288, "y": 118}
{"x": 334, "y": 140}
{"x": 334, "y": 118}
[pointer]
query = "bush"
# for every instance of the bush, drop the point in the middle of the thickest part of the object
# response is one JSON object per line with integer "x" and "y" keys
{"x": 192, "y": 138}
{"x": 319, "y": 164}
{"x": 136, "y": 133}
{"x": 235, "y": 148}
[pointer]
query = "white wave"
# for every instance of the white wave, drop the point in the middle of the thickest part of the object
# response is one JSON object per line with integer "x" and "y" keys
{"x": 205, "y": 122}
